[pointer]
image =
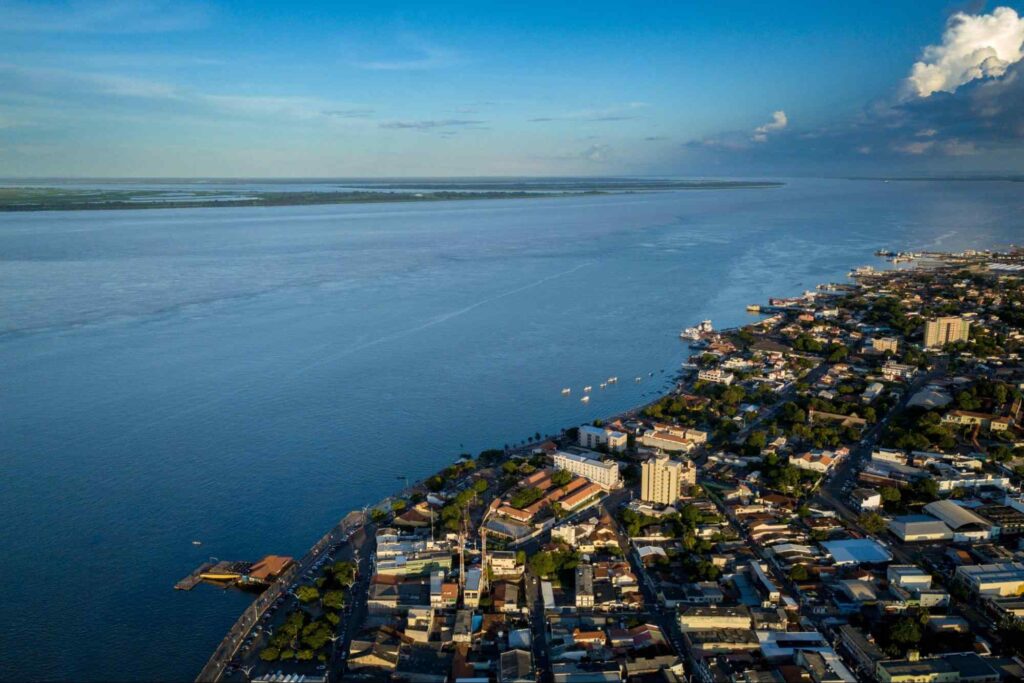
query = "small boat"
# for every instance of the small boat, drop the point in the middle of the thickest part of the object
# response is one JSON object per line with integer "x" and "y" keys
{"x": 754, "y": 308}
{"x": 639, "y": 379}
{"x": 602, "y": 385}
{"x": 197, "y": 542}
{"x": 585, "y": 399}
{"x": 566, "y": 391}
{"x": 613, "y": 380}
{"x": 587, "y": 388}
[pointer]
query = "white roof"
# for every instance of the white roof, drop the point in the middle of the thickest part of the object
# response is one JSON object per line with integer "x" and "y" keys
{"x": 857, "y": 551}
{"x": 955, "y": 516}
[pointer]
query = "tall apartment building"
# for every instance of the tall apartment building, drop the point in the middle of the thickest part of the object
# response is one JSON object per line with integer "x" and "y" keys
{"x": 662, "y": 479}
{"x": 942, "y": 331}
{"x": 604, "y": 474}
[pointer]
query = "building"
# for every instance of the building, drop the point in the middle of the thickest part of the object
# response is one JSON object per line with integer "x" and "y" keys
{"x": 942, "y": 331}
{"x": 593, "y": 437}
{"x": 673, "y": 439}
{"x": 604, "y": 474}
{"x": 966, "y": 525}
{"x": 857, "y": 551}
{"x": 1000, "y": 580}
{"x": 885, "y": 344}
{"x": 716, "y": 376}
{"x": 516, "y": 666}
{"x": 864, "y": 652}
{"x": 908, "y": 576}
{"x": 584, "y": 585}
{"x": 951, "y": 668}
{"x": 872, "y": 392}
{"x": 920, "y": 528}
{"x": 893, "y": 371}
{"x": 866, "y": 500}
{"x": 816, "y": 461}
{"x": 701, "y": 618}
{"x": 473, "y": 590}
{"x": 993, "y": 423}
{"x": 662, "y": 480}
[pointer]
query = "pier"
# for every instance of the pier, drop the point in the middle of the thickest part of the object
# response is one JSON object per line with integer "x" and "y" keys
{"x": 193, "y": 579}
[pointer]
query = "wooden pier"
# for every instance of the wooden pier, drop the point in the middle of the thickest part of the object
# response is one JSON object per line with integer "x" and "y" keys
{"x": 193, "y": 579}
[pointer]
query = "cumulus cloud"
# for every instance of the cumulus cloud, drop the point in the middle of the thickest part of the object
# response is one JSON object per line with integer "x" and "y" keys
{"x": 779, "y": 122}
{"x": 973, "y": 47}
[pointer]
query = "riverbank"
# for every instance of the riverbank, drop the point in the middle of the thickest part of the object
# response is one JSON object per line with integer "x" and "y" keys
{"x": 46, "y": 198}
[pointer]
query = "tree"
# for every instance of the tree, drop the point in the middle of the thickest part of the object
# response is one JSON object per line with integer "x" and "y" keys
{"x": 398, "y": 505}
{"x": 561, "y": 477}
{"x": 270, "y": 654}
{"x": 798, "y": 573}
{"x": 891, "y": 494}
{"x": 378, "y": 516}
{"x": 307, "y": 593}
{"x": 304, "y": 655}
{"x": 520, "y": 557}
{"x": 872, "y": 522}
{"x": 480, "y": 485}
{"x": 905, "y": 633}
{"x": 334, "y": 599}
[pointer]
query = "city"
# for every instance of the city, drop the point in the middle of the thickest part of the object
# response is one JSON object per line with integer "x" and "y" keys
{"x": 830, "y": 493}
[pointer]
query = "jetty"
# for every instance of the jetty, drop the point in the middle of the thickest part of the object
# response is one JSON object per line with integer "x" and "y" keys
{"x": 193, "y": 579}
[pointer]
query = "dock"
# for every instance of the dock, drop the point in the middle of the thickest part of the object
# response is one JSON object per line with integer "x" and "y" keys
{"x": 193, "y": 579}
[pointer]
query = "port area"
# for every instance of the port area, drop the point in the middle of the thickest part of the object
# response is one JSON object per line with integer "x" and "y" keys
{"x": 229, "y": 574}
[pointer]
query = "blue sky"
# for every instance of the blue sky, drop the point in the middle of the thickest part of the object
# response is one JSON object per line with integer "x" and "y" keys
{"x": 150, "y": 88}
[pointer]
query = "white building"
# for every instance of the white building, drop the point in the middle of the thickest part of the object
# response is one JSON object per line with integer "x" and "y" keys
{"x": 673, "y": 439}
{"x": 966, "y": 525}
{"x": 716, "y": 376}
{"x": 908, "y": 576}
{"x": 993, "y": 579}
{"x": 593, "y": 437}
{"x": 814, "y": 461}
{"x": 604, "y": 474}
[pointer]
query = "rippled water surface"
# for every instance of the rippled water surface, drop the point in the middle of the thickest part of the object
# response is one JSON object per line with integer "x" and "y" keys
{"x": 245, "y": 376}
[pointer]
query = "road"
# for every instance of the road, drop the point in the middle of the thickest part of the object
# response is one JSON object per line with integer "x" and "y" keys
{"x": 239, "y": 651}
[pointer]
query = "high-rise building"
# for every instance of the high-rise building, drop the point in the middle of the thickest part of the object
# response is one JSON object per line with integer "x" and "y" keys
{"x": 942, "y": 331}
{"x": 662, "y": 479}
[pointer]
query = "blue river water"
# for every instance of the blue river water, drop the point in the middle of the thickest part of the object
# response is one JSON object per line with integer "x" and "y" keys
{"x": 246, "y": 376}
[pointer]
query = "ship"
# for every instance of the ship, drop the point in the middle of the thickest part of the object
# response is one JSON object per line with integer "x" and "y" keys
{"x": 613, "y": 380}
{"x": 585, "y": 399}
{"x": 697, "y": 331}
{"x": 586, "y": 389}
{"x": 753, "y": 308}
{"x": 566, "y": 391}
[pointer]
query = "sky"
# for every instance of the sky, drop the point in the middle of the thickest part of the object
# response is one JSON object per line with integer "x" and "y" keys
{"x": 189, "y": 88}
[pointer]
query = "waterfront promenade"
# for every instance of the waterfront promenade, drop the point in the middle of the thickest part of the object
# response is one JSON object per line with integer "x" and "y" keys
{"x": 240, "y": 630}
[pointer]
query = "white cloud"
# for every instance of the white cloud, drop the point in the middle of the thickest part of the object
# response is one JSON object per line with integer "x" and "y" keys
{"x": 778, "y": 122}
{"x": 973, "y": 47}
{"x": 915, "y": 148}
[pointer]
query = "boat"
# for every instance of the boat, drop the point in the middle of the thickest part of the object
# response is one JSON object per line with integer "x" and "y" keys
{"x": 754, "y": 308}
{"x": 613, "y": 380}
{"x": 602, "y": 385}
{"x": 697, "y": 331}
{"x": 585, "y": 399}
{"x": 197, "y": 542}
{"x": 566, "y": 391}
{"x": 639, "y": 378}
{"x": 587, "y": 388}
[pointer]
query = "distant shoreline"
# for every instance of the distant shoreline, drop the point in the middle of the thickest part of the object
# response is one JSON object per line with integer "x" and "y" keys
{"x": 49, "y": 198}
